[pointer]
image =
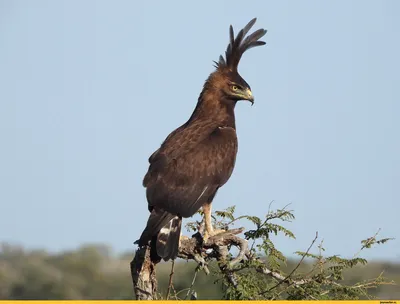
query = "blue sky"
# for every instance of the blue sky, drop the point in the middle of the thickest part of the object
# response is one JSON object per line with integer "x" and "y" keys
{"x": 89, "y": 89}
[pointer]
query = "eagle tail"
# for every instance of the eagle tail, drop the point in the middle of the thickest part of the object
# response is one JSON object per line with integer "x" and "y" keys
{"x": 168, "y": 239}
{"x": 163, "y": 230}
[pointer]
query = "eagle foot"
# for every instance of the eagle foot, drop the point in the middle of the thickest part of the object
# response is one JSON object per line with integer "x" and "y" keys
{"x": 209, "y": 234}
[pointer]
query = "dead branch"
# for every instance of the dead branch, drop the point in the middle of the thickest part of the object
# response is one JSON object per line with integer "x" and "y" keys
{"x": 170, "y": 279}
{"x": 293, "y": 271}
{"x": 143, "y": 272}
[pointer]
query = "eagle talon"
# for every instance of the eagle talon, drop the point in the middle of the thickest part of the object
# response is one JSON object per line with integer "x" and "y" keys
{"x": 209, "y": 234}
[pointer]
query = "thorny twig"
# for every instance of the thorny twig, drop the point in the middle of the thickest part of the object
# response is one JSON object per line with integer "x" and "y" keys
{"x": 270, "y": 216}
{"x": 297, "y": 266}
{"x": 361, "y": 286}
{"x": 170, "y": 279}
{"x": 367, "y": 243}
{"x": 194, "y": 280}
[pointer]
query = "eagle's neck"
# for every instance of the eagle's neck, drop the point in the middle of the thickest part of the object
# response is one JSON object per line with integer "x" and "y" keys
{"x": 212, "y": 105}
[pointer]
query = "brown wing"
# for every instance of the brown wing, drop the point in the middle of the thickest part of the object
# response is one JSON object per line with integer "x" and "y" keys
{"x": 178, "y": 143}
{"x": 189, "y": 168}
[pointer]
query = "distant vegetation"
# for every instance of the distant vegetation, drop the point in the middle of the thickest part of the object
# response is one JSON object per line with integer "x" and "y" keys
{"x": 93, "y": 272}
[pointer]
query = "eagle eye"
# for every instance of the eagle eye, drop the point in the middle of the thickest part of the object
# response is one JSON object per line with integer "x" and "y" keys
{"x": 235, "y": 88}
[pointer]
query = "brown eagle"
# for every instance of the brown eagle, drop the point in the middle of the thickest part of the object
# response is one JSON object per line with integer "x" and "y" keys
{"x": 197, "y": 158}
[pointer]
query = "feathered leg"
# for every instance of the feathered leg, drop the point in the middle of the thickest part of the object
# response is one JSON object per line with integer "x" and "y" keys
{"x": 209, "y": 230}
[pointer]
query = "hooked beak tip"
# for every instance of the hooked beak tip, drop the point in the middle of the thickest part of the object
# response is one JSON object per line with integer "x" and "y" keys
{"x": 250, "y": 96}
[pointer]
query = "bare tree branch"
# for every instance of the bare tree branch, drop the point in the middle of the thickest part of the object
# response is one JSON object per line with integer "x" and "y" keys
{"x": 170, "y": 279}
{"x": 293, "y": 271}
{"x": 143, "y": 274}
{"x": 191, "y": 285}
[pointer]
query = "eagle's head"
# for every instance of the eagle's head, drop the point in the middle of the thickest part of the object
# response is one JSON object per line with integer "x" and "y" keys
{"x": 226, "y": 78}
{"x": 224, "y": 87}
{"x": 233, "y": 87}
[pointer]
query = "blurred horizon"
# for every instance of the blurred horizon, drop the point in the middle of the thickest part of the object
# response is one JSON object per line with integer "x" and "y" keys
{"x": 91, "y": 89}
{"x": 91, "y": 272}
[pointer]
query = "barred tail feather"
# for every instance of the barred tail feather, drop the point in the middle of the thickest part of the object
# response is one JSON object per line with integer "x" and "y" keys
{"x": 157, "y": 220}
{"x": 162, "y": 232}
{"x": 168, "y": 239}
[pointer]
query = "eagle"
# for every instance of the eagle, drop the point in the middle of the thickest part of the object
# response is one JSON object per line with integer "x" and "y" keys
{"x": 198, "y": 158}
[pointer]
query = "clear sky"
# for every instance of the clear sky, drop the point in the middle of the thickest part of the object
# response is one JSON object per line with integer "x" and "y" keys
{"x": 89, "y": 89}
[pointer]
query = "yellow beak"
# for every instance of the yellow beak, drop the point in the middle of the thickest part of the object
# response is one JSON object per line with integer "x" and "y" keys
{"x": 249, "y": 96}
